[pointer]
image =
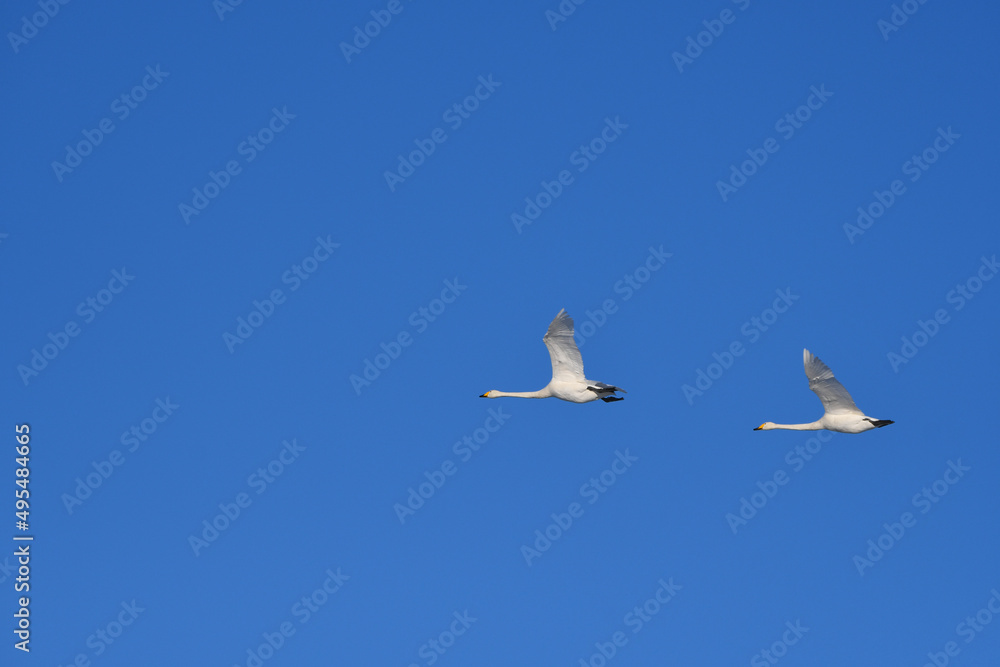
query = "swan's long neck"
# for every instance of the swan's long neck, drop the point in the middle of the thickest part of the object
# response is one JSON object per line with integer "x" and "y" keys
{"x": 814, "y": 426}
{"x": 541, "y": 393}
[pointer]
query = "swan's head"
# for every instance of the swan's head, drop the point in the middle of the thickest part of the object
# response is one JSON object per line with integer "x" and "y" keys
{"x": 490, "y": 394}
{"x": 766, "y": 426}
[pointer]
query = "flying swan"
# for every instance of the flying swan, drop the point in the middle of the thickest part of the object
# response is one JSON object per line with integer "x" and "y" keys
{"x": 841, "y": 414}
{"x": 568, "y": 381}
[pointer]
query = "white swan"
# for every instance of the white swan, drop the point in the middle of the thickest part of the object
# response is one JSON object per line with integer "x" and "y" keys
{"x": 841, "y": 414}
{"x": 568, "y": 381}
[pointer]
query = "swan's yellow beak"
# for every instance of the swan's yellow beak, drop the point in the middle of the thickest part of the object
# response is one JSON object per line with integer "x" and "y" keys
{"x": 759, "y": 427}
{"x": 486, "y": 395}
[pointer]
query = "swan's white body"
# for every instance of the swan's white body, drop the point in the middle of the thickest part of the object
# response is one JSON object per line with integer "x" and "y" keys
{"x": 841, "y": 414}
{"x": 568, "y": 381}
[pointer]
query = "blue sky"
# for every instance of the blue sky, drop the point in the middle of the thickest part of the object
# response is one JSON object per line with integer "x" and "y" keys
{"x": 219, "y": 218}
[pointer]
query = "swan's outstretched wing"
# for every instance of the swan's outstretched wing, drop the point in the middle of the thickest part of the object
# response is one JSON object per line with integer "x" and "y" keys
{"x": 567, "y": 364}
{"x": 835, "y": 398}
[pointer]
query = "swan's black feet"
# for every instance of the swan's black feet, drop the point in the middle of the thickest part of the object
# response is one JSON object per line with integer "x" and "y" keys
{"x": 879, "y": 423}
{"x": 611, "y": 399}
